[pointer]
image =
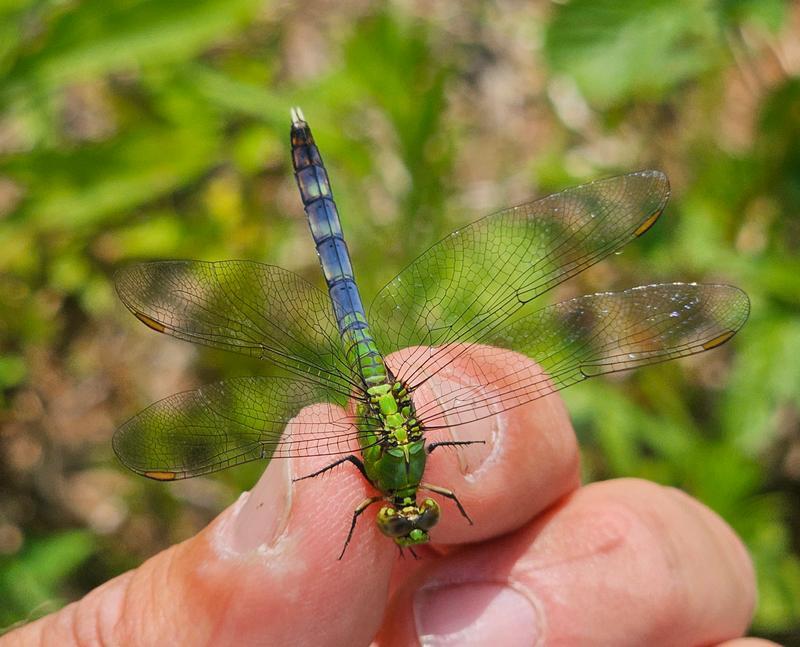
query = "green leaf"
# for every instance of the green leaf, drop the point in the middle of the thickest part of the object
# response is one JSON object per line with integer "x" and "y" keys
{"x": 237, "y": 96}
{"x": 769, "y": 13}
{"x": 29, "y": 584}
{"x": 86, "y": 185}
{"x": 617, "y": 51}
{"x": 12, "y": 370}
{"x": 97, "y": 37}
{"x": 763, "y": 380}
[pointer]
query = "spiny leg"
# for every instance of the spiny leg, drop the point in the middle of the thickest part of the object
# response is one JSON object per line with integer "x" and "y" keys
{"x": 449, "y": 494}
{"x": 452, "y": 443}
{"x": 356, "y": 514}
{"x": 410, "y": 550}
{"x": 347, "y": 459}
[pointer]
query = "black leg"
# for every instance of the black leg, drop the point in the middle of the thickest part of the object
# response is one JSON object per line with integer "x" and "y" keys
{"x": 449, "y": 494}
{"x": 411, "y": 550}
{"x": 347, "y": 459}
{"x": 452, "y": 443}
{"x": 356, "y": 514}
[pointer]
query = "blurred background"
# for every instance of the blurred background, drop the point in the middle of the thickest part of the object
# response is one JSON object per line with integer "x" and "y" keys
{"x": 153, "y": 129}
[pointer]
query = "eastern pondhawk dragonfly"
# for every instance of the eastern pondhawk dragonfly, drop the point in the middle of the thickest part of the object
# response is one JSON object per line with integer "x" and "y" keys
{"x": 459, "y": 301}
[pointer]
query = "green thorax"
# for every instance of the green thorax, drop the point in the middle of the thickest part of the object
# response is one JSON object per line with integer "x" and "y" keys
{"x": 393, "y": 446}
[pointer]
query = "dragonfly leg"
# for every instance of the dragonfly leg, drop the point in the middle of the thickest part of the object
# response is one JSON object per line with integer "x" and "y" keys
{"x": 452, "y": 443}
{"x": 356, "y": 514}
{"x": 347, "y": 459}
{"x": 449, "y": 494}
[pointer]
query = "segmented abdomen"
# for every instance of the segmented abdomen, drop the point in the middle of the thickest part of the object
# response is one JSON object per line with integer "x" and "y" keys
{"x": 323, "y": 219}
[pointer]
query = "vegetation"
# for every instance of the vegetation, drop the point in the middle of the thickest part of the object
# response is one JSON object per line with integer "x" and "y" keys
{"x": 145, "y": 129}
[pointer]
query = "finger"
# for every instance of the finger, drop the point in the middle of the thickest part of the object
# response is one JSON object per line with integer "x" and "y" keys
{"x": 265, "y": 572}
{"x": 621, "y": 562}
{"x": 529, "y": 458}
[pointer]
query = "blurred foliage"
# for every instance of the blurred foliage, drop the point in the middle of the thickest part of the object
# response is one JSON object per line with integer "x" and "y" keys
{"x": 30, "y": 580}
{"x": 143, "y": 129}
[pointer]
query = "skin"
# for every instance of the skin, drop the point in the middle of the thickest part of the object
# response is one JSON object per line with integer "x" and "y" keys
{"x": 548, "y": 562}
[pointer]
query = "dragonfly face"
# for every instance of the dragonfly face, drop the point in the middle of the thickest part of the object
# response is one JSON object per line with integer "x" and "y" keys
{"x": 454, "y": 306}
{"x": 409, "y": 525}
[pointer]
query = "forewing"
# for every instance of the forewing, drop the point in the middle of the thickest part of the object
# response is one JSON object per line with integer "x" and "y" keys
{"x": 228, "y": 423}
{"x": 469, "y": 282}
{"x": 588, "y": 336}
{"x": 251, "y": 308}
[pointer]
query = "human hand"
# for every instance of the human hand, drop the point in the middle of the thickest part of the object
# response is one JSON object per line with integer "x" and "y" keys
{"x": 621, "y": 562}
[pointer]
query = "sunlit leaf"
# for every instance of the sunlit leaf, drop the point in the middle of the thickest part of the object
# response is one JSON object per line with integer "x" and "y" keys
{"x": 622, "y": 50}
{"x": 97, "y": 37}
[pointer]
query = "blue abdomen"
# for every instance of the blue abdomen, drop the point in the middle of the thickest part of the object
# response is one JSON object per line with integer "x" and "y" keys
{"x": 323, "y": 219}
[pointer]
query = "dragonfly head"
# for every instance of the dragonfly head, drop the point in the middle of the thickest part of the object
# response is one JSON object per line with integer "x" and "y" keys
{"x": 409, "y": 524}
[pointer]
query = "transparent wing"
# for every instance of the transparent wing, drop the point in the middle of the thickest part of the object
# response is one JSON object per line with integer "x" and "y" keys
{"x": 251, "y": 308}
{"x": 228, "y": 423}
{"x": 462, "y": 287}
{"x": 583, "y": 337}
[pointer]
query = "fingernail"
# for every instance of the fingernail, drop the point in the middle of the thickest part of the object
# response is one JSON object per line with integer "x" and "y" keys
{"x": 262, "y": 518}
{"x": 476, "y": 614}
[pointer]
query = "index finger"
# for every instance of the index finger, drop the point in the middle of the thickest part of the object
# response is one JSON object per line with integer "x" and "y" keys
{"x": 528, "y": 458}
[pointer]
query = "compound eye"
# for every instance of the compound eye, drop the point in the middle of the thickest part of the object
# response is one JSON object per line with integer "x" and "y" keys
{"x": 393, "y": 524}
{"x": 428, "y": 514}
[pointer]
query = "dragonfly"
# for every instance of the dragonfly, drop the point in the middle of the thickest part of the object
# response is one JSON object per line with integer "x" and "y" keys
{"x": 459, "y": 301}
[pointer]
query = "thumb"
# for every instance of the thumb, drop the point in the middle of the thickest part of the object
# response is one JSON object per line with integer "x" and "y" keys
{"x": 265, "y": 572}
